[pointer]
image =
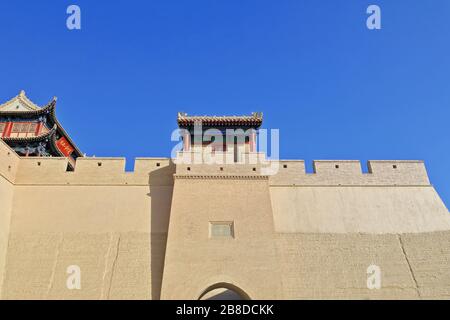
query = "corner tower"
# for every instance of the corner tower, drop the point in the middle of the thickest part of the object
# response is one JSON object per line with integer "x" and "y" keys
{"x": 35, "y": 131}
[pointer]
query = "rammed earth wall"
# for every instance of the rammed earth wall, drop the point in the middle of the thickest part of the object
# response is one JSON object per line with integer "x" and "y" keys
{"x": 145, "y": 234}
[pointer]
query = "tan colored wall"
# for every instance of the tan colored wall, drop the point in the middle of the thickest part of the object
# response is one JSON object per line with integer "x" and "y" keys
{"x": 111, "y": 223}
{"x": 8, "y": 166}
{"x": 334, "y": 266}
{"x": 194, "y": 261}
{"x": 297, "y": 235}
{"x": 349, "y": 172}
{"x": 358, "y": 209}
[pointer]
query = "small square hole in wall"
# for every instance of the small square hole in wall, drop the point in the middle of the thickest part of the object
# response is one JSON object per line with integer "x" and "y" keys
{"x": 394, "y": 166}
{"x": 158, "y": 164}
{"x": 99, "y": 164}
{"x": 221, "y": 168}
{"x": 285, "y": 166}
{"x": 221, "y": 229}
{"x": 254, "y": 169}
{"x": 188, "y": 168}
{"x": 336, "y": 166}
{"x": 39, "y": 163}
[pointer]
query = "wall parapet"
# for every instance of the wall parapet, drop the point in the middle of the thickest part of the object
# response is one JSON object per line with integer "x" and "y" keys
{"x": 349, "y": 172}
{"x": 93, "y": 171}
{"x": 160, "y": 171}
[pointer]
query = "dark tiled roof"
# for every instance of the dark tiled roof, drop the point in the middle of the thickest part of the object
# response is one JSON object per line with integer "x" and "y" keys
{"x": 48, "y": 109}
{"x": 255, "y": 119}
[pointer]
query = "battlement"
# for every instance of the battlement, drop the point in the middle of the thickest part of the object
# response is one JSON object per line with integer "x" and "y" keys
{"x": 112, "y": 171}
{"x": 326, "y": 172}
{"x": 105, "y": 171}
{"x": 93, "y": 171}
{"x": 349, "y": 172}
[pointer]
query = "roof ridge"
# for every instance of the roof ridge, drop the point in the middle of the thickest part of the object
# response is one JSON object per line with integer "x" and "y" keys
{"x": 22, "y": 97}
{"x": 252, "y": 115}
{"x": 254, "y": 119}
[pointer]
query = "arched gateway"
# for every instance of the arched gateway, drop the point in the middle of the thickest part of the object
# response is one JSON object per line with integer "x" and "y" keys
{"x": 224, "y": 291}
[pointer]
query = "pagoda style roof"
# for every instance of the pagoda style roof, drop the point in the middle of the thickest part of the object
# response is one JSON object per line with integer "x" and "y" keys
{"x": 22, "y": 107}
{"x": 253, "y": 120}
{"x": 31, "y": 113}
{"x": 19, "y": 103}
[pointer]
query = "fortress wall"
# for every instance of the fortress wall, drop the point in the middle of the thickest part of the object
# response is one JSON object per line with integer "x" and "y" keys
{"x": 34, "y": 170}
{"x": 90, "y": 209}
{"x": 334, "y": 266}
{"x": 349, "y": 172}
{"x": 218, "y": 169}
{"x": 325, "y": 239}
{"x": 100, "y": 166}
{"x": 6, "y": 196}
{"x": 429, "y": 257}
{"x": 8, "y": 167}
{"x": 411, "y": 171}
{"x": 95, "y": 171}
{"x": 350, "y": 209}
{"x": 194, "y": 260}
{"x": 342, "y": 167}
{"x": 297, "y": 235}
{"x": 109, "y": 171}
{"x": 115, "y": 232}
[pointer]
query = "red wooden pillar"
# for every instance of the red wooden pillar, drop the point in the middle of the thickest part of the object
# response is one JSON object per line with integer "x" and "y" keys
{"x": 186, "y": 141}
{"x": 8, "y": 129}
{"x": 38, "y": 128}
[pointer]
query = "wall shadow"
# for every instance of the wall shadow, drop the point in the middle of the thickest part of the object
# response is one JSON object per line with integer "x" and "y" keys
{"x": 160, "y": 193}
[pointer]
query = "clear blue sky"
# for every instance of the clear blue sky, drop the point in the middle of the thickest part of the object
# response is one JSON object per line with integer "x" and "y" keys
{"x": 335, "y": 89}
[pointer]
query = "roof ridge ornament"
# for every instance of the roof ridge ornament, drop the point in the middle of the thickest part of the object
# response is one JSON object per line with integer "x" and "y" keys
{"x": 258, "y": 115}
{"x": 27, "y": 101}
{"x": 23, "y": 99}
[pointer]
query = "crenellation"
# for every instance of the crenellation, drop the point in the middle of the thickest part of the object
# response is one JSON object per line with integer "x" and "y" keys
{"x": 36, "y": 169}
{"x": 337, "y": 167}
{"x": 349, "y": 172}
{"x": 131, "y": 232}
{"x": 151, "y": 164}
{"x": 405, "y": 171}
{"x": 94, "y": 171}
{"x": 100, "y": 166}
{"x": 53, "y": 170}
